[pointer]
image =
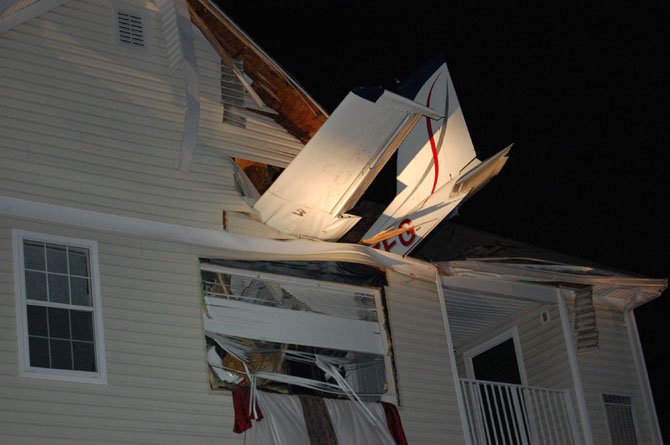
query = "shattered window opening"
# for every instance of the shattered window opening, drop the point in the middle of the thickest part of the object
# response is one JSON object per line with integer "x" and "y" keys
{"x": 294, "y": 296}
{"x": 365, "y": 373}
{"x": 246, "y": 331}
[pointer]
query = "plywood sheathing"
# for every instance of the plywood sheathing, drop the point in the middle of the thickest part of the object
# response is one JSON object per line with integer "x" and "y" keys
{"x": 299, "y": 114}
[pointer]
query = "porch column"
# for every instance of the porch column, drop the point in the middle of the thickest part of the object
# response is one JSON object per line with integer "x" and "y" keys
{"x": 574, "y": 365}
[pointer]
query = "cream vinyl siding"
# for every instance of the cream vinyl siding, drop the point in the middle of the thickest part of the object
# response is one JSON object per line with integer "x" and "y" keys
{"x": 157, "y": 390}
{"x": 261, "y": 140}
{"x": 429, "y": 409}
{"x": 243, "y": 224}
{"x": 545, "y": 357}
{"x": 90, "y": 124}
{"x": 611, "y": 370}
{"x": 542, "y": 346}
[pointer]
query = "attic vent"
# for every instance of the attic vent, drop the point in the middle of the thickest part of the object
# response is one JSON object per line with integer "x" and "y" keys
{"x": 130, "y": 28}
{"x": 232, "y": 95}
{"x": 586, "y": 330}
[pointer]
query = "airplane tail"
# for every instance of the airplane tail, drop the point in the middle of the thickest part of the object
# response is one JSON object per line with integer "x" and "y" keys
{"x": 431, "y": 160}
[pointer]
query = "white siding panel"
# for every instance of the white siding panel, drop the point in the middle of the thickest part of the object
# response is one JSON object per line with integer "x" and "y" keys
{"x": 429, "y": 409}
{"x": 89, "y": 124}
{"x": 542, "y": 346}
{"x": 243, "y": 224}
{"x": 157, "y": 389}
{"x": 545, "y": 357}
{"x": 611, "y": 370}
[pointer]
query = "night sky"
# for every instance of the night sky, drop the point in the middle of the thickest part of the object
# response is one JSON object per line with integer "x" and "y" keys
{"x": 581, "y": 91}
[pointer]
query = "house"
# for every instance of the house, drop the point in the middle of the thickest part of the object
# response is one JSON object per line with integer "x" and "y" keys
{"x": 559, "y": 324}
{"x": 144, "y": 300}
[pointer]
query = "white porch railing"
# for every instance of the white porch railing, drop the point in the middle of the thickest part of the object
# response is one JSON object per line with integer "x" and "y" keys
{"x": 502, "y": 413}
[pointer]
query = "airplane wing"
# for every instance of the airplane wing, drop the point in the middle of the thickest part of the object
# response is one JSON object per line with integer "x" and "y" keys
{"x": 311, "y": 196}
{"x": 437, "y": 167}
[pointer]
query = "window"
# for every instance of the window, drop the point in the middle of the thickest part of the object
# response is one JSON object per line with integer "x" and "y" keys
{"x": 129, "y": 28}
{"x": 294, "y": 335}
{"x": 58, "y": 308}
{"x": 619, "y": 411}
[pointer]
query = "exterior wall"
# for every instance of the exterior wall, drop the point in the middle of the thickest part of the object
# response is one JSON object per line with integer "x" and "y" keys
{"x": 545, "y": 358}
{"x": 86, "y": 123}
{"x": 429, "y": 408}
{"x": 157, "y": 390}
{"x": 611, "y": 370}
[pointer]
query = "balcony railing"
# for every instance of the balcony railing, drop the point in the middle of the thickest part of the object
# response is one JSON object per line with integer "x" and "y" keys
{"x": 501, "y": 413}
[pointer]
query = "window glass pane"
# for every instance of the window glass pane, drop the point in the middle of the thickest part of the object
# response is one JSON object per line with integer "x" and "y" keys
{"x": 61, "y": 354}
{"x": 39, "y": 352}
{"x": 59, "y": 323}
{"x": 56, "y": 258}
{"x": 37, "y": 321}
{"x": 84, "y": 356}
{"x": 78, "y": 261}
{"x": 57, "y": 280}
{"x": 59, "y": 289}
{"x": 79, "y": 288}
{"x": 36, "y": 286}
{"x": 82, "y": 325}
{"x": 33, "y": 255}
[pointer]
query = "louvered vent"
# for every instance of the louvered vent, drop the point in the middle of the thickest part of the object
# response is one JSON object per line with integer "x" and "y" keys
{"x": 131, "y": 29}
{"x": 586, "y": 330}
{"x": 619, "y": 410}
{"x": 232, "y": 95}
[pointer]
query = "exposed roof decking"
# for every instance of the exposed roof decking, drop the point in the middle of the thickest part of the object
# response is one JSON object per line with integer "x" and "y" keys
{"x": 298, "y": 112}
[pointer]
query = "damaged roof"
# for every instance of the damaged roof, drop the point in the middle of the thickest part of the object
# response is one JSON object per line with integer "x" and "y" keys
{"x": 297, "y": 111}
{"x": 453, "y": 241}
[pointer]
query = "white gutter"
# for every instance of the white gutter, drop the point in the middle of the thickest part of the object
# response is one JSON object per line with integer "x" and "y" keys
{"x": 520, "y": 272}
{"x": 236, "y": 246}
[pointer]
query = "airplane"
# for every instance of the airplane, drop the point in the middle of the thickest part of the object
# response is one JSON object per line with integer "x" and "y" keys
{"x": 437, "y": 167}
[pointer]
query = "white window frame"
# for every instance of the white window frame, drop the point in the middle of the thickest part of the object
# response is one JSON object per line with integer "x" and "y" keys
{"x": 25, "y": 370}
{"x": 512, "y": 333}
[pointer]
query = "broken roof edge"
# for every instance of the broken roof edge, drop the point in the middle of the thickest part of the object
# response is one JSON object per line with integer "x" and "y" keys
{"x": 453, "y": 241}
{"x": 304, "y": 116}
{"x": 235, "y": 246}
{"x": 642, "y": 289}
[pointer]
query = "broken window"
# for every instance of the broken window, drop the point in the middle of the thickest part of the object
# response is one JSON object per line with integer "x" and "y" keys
{"x": 294, "y": 336}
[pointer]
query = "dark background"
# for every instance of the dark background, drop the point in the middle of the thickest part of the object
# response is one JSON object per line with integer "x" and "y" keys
{"x": 580, "y": 90}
